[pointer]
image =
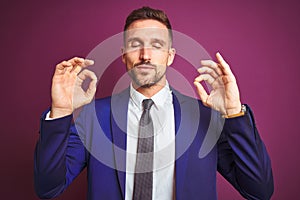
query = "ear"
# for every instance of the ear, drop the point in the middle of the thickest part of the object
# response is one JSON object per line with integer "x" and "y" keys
{"x": 172, "y": 53}
{"x": 123, "y": 55}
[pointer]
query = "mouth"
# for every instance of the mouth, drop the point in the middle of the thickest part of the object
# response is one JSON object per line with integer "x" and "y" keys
{"x": 145, "y": 67}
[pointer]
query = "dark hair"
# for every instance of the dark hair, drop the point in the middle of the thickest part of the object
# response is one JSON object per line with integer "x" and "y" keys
{"x": 149, "y": 13}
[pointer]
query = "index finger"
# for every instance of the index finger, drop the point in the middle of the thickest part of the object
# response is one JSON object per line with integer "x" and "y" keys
{"x": 81, "y": 61}
{"x": 211, "y": 64}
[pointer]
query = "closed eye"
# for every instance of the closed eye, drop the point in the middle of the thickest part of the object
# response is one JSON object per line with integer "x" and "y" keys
{"x": 135, "y": 44}
{"x": 157, "y": 45}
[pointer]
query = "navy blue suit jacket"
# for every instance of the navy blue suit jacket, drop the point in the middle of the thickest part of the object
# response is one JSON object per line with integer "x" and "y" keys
{"x": 65, "y": 149}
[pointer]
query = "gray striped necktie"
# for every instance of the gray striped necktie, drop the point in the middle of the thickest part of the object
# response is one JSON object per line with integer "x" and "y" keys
{"x": 143, "y": 178}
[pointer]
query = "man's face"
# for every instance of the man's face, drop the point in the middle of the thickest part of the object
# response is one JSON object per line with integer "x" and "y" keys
{"x": 147, "y": 52}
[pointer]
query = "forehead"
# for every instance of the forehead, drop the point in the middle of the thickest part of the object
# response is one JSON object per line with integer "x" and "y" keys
{"x": 146, "y": 23}
{"x": 146, "y": 29}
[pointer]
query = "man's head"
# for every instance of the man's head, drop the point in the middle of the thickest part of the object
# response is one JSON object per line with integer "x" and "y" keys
{"x": 147, "y": 47}
{"x": 149, "y": 13}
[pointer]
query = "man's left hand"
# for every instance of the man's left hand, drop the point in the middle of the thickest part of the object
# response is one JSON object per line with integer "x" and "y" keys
{"x": 224, "y": 96}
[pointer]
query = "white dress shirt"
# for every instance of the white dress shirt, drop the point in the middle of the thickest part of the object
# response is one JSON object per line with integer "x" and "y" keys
{"x": 162, "y": 114}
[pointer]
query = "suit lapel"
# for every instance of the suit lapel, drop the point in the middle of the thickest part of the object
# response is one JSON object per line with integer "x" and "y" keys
{"x": 185, "y": 109}
{"x": 119, "y": 108}
{"x": 181, "y": 161}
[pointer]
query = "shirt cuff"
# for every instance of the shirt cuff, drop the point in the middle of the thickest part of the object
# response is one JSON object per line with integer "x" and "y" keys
{"x": 48, "y": 116}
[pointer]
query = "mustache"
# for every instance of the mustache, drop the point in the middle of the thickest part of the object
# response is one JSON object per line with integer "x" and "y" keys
{"x": 144, "y": 63}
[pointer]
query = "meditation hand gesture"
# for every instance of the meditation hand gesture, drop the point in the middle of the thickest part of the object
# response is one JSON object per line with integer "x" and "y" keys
{"x": 67, "y": 93}
{"x": 224, "y": 96}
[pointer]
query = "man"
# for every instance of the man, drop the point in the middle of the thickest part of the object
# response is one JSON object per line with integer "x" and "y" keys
{"x": 65, "y": 149}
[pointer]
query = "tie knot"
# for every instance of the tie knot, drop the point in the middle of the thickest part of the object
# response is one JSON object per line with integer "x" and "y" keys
{"x": 147, "y": 103}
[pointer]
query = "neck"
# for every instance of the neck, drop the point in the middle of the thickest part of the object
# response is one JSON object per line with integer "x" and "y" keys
{"x": 152, "y": 90}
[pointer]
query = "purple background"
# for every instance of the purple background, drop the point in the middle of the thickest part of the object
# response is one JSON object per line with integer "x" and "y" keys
{"x": 260, "y": 39}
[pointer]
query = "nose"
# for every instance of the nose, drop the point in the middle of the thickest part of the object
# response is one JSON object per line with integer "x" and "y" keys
{"x": 145, "y": 53}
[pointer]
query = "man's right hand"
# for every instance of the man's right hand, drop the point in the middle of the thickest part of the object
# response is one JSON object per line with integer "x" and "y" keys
{"x": 67, "y": 93}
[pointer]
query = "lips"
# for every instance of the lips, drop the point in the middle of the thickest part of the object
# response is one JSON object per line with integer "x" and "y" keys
{"x": 144, "y": 68}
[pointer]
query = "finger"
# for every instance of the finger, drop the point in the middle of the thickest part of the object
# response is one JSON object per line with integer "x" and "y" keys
{"x": 79, "y": 64}
{"x": 75, "y": 65}
{"x": 85, "y": 64}
{"x": 63, "y": 66}
{"x": 207, "y": 70}
{"x": 224, "y": 66}
{"x": 201, "y": 91}
{"x": 87, "y": 74}
{"x": 213, "y": 65}
{"x": 76, "y": 69}
{"x": 89, "y": 62}
{"x": 76, "y": 61}
{"x": 93, "y": 85}
{"x": 81, "y": 61}
{"x": 205, "y": 77}
{"x": 84, "y": 74}
{"x": 93, "y": 80}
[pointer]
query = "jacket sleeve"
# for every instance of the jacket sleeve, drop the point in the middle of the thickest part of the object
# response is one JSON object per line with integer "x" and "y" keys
{"x": 243, "y": 159}
{"x": 59, "y": 157}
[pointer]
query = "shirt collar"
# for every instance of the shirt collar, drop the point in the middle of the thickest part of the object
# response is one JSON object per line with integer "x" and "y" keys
{"x": 162, "y": 97}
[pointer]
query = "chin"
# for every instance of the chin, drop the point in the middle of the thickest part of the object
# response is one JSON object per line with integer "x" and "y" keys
{"x": 147, "y": 85}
